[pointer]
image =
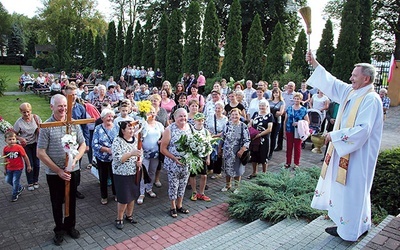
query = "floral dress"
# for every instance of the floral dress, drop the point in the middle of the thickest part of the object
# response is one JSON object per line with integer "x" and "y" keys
{"x": 177, "y": 175}
{"x": 260, "y": 122}
{"x": 234, "y": 137}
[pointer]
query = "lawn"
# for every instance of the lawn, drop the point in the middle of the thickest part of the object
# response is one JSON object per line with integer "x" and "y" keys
{"x": 10, "y": 106}
{"x": 12, "y": 74}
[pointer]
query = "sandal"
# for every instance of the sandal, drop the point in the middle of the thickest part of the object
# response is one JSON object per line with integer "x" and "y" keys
{"x": 287, "y": 165}
{"x": 182, "y": 210}
{"x": 251, "y": 176}
{"x": 119, "y": 224}
{"x": 140, "y": 199}
{"x": 130, "y": 219}
{"x": 151, "y": 194}
{"x": 173, "y": 213}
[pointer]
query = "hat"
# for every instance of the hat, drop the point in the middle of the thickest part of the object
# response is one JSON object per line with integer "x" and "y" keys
{"x": 215, "y": 91}
{"x": 199, "y": 116}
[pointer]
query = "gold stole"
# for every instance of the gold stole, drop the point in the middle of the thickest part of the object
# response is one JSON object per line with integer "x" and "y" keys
{"x": 344, "y": 161}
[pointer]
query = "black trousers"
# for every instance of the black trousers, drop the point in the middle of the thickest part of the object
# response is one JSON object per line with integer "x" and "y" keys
{"x": 105, "y": 170}
{"x": 57, "y": 198}
{"x": 280, "y": 136}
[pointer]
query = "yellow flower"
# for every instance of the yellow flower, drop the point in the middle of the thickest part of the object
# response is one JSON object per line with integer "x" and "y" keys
{"x": 144, "y": 106}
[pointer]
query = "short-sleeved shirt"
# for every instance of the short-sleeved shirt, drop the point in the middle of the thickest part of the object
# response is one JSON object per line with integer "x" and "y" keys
{"x": 27, "y": 130}
{"x": 14, "y": 156}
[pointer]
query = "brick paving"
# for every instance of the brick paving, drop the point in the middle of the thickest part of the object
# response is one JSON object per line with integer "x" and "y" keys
{"x": 28, "y": 223}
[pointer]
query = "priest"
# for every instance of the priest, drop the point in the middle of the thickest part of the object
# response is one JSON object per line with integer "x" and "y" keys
{"x": 353, "y": 147}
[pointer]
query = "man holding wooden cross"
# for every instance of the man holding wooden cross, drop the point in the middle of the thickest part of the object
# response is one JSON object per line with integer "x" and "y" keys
{"x": 50, "y": 151}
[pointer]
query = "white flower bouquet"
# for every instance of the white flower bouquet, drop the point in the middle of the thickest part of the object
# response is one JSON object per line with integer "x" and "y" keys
{"x": 70, "y": 147}
{"x": 195, "y": 148}
{"x": 4, "y": 125}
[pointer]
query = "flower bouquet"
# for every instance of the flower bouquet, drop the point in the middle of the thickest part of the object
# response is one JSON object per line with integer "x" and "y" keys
{"x": 70, "y": 147}
{"x": 195, "y": 147}
{"x": 144, "y": 107}
{"x": 4, "y": 125}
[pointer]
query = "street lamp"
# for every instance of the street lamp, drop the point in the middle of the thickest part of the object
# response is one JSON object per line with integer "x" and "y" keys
{"x": 20, "y": 56}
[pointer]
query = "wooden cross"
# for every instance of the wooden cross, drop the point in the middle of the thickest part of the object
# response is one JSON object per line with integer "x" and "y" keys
{"x": 67, "y": 123}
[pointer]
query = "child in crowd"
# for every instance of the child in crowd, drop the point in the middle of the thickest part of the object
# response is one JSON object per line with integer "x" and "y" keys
{"x": 14, "y": 157}
{"x": 199, "y": 128}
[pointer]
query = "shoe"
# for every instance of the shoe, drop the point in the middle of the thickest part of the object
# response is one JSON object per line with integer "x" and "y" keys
{"x": 296, "y": 166}
{"x": 36, "y": 185}
{"x": 182, "y": 210}
{"x": 130, "y": 219}
{"x": 140, "y": 199}
{"x": 236, "y": 191}
{"x": 226, "y": 188}
{"x": 157, "y": 184}
{"x": 303, "y": 145}
{"x": 14, "y": 198}
{"x": 216, "y": 176}
{"x": 89, "y": 166}
{"x": 213, "y": 176}
{"x": 189, "y": 187}
{"x": 173, "y": 213}
{"x": 20, "y": 191}
{"x": 203, "y": 197}
{"x": 30, "y": 187}
{"x": 206, "y": 187}
{"x": 104, "y": 201}
{"x": 332, "y": 231}
{"x": 194, "y": 196}
{"x": 287, "y": 165}
{"x": 75, "y": 234}
{"x": 58, "y": 239}
{"x": 79, "y": 195}
{"x": 278, "y": 149}
{"x": 119, "y": 224}
{"x": 251, "y": 176}
{"x": 151, "y": 194}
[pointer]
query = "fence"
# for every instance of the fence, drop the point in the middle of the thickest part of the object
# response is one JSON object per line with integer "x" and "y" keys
{"x": 382, "y": 70}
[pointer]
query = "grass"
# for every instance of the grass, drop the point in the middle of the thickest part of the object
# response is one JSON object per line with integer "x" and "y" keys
{"x": 12, "y": 73}
{"x": 10, "y": 106}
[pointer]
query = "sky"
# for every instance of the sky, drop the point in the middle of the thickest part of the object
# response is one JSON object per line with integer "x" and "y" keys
{"x": 29, "y": 8}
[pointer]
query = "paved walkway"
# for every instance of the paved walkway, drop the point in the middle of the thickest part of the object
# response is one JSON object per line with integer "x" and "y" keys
{"x": 28, "y": 223}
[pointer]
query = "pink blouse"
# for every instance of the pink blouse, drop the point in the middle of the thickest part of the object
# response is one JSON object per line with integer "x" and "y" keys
{"x": 168, "y": 106}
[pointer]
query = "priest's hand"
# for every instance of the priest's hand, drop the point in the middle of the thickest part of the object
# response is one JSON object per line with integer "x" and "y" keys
{"x": 310, "y": 59}
{"x": 328, "y": 138}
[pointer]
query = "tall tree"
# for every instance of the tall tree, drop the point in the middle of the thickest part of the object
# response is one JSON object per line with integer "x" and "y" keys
{"x": 326, "y": 51}
{"x": 89, "y": 48}
{"x": 119, "y": 51}
{"x": 148, "y": 55}
{"x": 298, "y": 64}
{"x": 98, "y": 53}
{"x": 30, "y": 48}
{"x": 15, "y": 43}
{"x": 110, "y": 49}
{"x": 174, "y": 48}
{"x": 5, "y": 21}
{"x": 255, "y": 50}
{"x": 233, "y": 61}
{"x": 347, "y": 52}
{"x": 209, "y": 51}
{"x": 128, "y": 46}
{"x": 161, "y": 52}
{"x": 137, "y": 45}
{"x": 366, "y": 31}
{"x": 191, "y": 49}
{"x": 275, "y": 64}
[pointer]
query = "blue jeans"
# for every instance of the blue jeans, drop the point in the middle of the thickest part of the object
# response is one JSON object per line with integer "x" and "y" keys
{"x": 33, "y": 176}
{"x": 12, "y": 178}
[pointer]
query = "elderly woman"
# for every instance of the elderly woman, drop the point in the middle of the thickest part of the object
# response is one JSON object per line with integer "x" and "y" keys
{"x": 152, "y": 131}
{"x": 261, "y": 123}
{"x": 103, "y": 137}
{"x": 216, "y": 125}
{"x": 101, "y": 98}
{"x": 178, "y": 173}
{"x": 253, "y": 105}
{"x": 294, "y": 113}
{"x": 235, "y": 141}
{"x": 26, "y": 128}
{"x": 124, "y": 167}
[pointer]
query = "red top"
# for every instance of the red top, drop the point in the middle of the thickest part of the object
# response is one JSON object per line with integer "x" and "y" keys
{"x": 14, "y": 157}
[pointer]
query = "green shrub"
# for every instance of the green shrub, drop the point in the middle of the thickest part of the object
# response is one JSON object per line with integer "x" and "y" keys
{"x": 42, "y": 63}
{"x": 3, "y": 86}
{"x": 50, "y": 70}
{"x": 276, "y": 196}
{"x": 283, "y": 79}
{"x": 29, "y": 62}
{"x": 385, "y": 190}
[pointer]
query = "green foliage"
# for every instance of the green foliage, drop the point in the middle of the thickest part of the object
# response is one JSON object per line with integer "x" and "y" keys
{"x": 276, "y": 196}
{"x": 385, "y": 190}
{"x": 366, "y": 31}
{"x": 119, "y": 52}
{"x": 89, "y": 47}
{"x": 298, "y": 64}
{"x": 128, "y": 46}
{"x": 110, "y": 49}
{"x": 209, "y": 51}
{"x": 98, "y": 56}
{"x": 15, "y": 43}
{"x": 137, "y": 45}
{"x": 5, "y": 20}
{"x": 161, "y": 52}
{"x": 42, "y": 62}
{"x": 378, "y": 214}
{"x": 30, "y": 49}
{"x": 210, "y": 83}
{"x": 148, "y": 55}
{"x": 275, "y": 64}
{"x": 326, "y": 51}
{"x": 254, "y": 52}
{"x": 3, "y": 85}
{"x": 296, "y": 77}
{"x": 233, "y": 62}
{"x": 347, "y": 52}
{"x": 174, "y": 48}
{"x": 191, "y": 49}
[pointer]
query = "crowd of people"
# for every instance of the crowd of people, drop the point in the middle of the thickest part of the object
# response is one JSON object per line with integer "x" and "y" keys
{"x": 245, "y": 118}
